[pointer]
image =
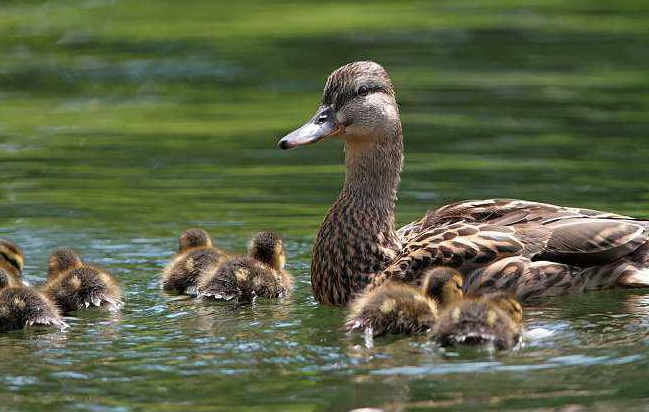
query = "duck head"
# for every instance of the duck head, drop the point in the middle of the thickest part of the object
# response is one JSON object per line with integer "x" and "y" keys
{"x": 443, "y": 284}
{"x": 193, "y": 238}
{"x": 358, "y": 106}
{"x": 267, "y": 247}
{"x": 62, "y": 260}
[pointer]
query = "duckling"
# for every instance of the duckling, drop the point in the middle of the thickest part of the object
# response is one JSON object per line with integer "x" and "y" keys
{"x": 74, "y": 285}
{"x": 490, "y": 320}
{"x": 196, "y": 254}
{"x": 399, "y": 308}
{"x": 21, "y": 306}
{"x": 11, "y": 258}
{"x": 508, "y": 304}
{"x": 244, "y": 278}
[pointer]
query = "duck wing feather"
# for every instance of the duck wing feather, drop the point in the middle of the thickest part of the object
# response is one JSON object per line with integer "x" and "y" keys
{"x": 474, "y": 234}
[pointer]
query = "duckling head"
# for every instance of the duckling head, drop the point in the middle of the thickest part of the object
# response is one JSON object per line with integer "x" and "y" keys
{"x": 6, "y": 280}
{"x": 443, "y": 284}
{"x": 267, "y": 247}
{"x": 62, "y": 260}
{"x": 11, "y": 257}
{"x": 358, "y": 105}
{"x": 193, "y": 238}
{"x": 508, "y": 304}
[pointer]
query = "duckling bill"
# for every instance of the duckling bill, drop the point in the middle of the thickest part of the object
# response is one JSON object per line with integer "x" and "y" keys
{"x": 244, "y": 278}
{"x": 196, "y": 254}
{"x": 75, "y": 285}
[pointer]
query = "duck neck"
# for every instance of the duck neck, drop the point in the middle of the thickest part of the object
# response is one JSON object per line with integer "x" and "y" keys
{"x": 357, "y": 238}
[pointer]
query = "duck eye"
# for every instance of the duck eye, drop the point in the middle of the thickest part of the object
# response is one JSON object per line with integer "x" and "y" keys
{"x": 363, "y": 90}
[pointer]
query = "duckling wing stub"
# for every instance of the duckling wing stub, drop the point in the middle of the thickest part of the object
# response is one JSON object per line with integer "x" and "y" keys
{"x": 592, "y": 242}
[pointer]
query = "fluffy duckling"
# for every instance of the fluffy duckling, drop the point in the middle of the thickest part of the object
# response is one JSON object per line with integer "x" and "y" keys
{"x": 491, "y": 320}
{"x": 508, "y": 304}
{"x": 398, "y": 308}
{"x": 21, "y": 306}
{"x": 244, "y": 278}
{"x": 75, "y": 285}
{"x": 196, "y": 254}
{"x": 11, "y": 258}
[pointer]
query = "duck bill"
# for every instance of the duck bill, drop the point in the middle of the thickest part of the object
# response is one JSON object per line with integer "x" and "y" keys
{"x": 321, "y": 126}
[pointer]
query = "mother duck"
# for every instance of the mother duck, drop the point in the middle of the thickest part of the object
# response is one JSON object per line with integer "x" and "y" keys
{"x": 526, "y": 248}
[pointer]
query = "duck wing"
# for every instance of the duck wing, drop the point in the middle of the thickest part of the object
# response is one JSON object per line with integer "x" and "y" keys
{"x": 575, "y": 236}
{"x": 506, "y": 212}
{"x": 474, "y": 234}
{"x": 500, "y": 212}
{"x": 589, "y": 242}
{"x": 464, "y": 246}
{"x": 528, "y": 279}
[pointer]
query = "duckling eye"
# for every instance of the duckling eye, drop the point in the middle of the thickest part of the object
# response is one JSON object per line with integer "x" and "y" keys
{"x": 363, "y": 90}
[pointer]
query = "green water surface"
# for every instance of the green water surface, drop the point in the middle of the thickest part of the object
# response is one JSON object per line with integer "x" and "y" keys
{"x": 124, "y": 122}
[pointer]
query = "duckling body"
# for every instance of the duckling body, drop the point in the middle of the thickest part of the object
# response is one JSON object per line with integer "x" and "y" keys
{"x": 392, "y": 308}
{"x": 244, "y": 278}
{"x": 21, "y": 306}
{"x": 74, "y": 285}
{"x": 196, "y": 255}
{"x": 398, "y": 308}
{"x": 489, "y": 320}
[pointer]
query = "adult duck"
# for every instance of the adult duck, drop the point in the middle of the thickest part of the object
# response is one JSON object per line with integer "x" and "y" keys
{"x": 527, "y": 248}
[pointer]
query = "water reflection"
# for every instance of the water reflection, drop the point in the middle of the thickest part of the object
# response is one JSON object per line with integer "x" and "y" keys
{"x": 119, "y": 129}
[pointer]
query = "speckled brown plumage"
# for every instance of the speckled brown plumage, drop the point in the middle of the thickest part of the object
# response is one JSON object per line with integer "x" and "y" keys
{"x": 561, "y": 249}
{"x": 75, "y": 285}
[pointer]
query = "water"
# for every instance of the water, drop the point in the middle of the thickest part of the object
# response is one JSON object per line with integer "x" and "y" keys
{"x": 122, "y": 123}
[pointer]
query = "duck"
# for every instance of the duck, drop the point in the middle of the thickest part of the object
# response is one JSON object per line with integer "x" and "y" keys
{"x": 12, "y": 259}
{"x": 492, "y": 320}
{"x": 559, "y": 249}
{"x": 75, "y": 285}
{"x": 401, "y": 309}
{"x": 22, "y": 306}
{"x": 196, "y": 254}
{"x": 244, "y": 278}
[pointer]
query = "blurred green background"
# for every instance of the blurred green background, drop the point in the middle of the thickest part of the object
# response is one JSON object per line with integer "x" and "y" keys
{"x": 123, "y": 122}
